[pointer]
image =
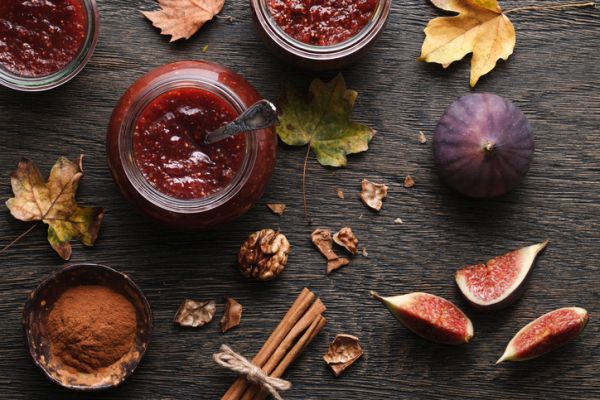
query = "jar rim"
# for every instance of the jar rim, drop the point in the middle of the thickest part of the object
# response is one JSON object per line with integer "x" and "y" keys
{"x": 327, "y": 52}
{"x": 156, "y": 87}
{"x": 69, "y": 71}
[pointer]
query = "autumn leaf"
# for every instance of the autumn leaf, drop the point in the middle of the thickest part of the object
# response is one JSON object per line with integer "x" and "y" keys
{"x": 480, "y": 28}
{"x": 53, "y": 203}
{"x": 323, "y": 122}
{"x": 182, "y": 18}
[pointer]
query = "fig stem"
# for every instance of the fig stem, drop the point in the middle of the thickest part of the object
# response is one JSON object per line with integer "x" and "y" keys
{"x": 375, "y": 295}
{"x": 556, "y": 7}
{"x": 488, "y": 148}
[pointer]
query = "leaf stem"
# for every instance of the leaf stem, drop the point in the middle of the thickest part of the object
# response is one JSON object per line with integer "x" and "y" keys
{"x": 304, "y": 183}
{"x": 21, "y": 236}
{"x": 554, "y": 7}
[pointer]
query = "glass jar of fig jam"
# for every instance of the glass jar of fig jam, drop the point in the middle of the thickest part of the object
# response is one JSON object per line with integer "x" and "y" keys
{"x": 156, "y": 151}
{"x": 45, "y": 43}
{"x": 320, "y": 34}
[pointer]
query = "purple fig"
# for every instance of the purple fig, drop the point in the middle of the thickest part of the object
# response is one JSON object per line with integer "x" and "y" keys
{"x": 482, "y": 145}
{"x": 431, "y": 317}
{"x": 545, "y": 334}
{"x": 499, "y": 282}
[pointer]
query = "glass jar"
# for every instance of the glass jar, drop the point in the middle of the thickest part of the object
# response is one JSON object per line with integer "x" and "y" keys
{"x": 229, "y": 202}
{"x": 317, "y": 57}
{"x": 38, "y": 82}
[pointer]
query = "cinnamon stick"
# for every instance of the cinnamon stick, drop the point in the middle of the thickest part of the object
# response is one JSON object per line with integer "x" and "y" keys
{"x": 290, "y": 357}
{"x": 290, "y": 319}
{"x": 303, "y": 327}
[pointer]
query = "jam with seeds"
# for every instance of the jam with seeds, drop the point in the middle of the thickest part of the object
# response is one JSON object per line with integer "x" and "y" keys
{"x": 322, "y": 22}
{"x": 167, "y": 144}
{"x": 40, "y": 37}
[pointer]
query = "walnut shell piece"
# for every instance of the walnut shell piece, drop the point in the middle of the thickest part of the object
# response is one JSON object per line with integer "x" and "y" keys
{"x": 346, "y": 238}
{"x": 276, "y": 208}
{"x": 323, "y": 241}
{"x": 263, "y": 255}
{"x": 343, "y": 352}
{"x": 195, "y": 314}
{"x": 372, "y": 194}
{"x": 409, "y": 182}
{"x": 232, "y": 315}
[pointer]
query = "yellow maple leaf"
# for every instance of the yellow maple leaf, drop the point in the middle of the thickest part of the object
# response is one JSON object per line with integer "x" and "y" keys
{"x": 182, "y": 18}
{"x": 480, "y": 28}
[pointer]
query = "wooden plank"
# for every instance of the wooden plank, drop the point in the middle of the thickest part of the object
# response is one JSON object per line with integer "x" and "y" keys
{"x": 553, "y": 76}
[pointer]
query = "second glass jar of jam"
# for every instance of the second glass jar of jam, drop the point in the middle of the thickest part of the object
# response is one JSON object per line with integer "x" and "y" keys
{"x": 156, "y": 151}
{"x": 45, "y": 43}
{"x": 320, "y": 34}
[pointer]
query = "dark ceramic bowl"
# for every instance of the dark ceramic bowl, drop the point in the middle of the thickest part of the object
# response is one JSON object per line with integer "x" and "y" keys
{"x": 40, "y": 303}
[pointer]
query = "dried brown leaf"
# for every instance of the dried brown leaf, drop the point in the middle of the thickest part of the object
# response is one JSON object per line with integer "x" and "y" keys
{"x": 232, "y": 315}
{"x": 182, "y": 18}
{"x": 372, "y": 194}
{"x": 346, "y": 238}
{"x": 195, "y": 313}
{"x": 53, "y": 202}
{"x": 343, "y": 352}
{"x": 277, "y": 208}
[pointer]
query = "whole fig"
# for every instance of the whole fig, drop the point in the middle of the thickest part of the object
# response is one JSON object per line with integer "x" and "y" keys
{"x": 483, "y": 145}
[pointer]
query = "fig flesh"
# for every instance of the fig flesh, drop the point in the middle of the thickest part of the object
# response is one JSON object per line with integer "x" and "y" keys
{"x": 482, "y": 145}
{"x": 499, "y": 282}
{"x": 545, "y": 334}
{"x": 431, "y": 317}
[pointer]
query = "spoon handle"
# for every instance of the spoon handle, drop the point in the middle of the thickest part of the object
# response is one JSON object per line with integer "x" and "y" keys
{"x": 260, "y": 115}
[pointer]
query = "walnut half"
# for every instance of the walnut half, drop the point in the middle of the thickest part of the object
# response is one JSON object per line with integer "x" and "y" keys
{"x": 263, "y": 255}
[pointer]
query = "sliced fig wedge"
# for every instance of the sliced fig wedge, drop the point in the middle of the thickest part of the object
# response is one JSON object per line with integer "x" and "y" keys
{"x": 545, "y": 334}
{"x": 431, "y": 317}
{"x": 499, "y": 282}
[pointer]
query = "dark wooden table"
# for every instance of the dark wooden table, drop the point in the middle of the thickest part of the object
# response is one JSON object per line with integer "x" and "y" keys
{"x": 554, "y": 76}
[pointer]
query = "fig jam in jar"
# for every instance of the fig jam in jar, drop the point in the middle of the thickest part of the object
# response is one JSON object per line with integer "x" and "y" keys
{"x": 44, "y": 43}
{"x": 322, "y": 22}
{"x": 320, "y": 34}
{"x": 156, "y": 151}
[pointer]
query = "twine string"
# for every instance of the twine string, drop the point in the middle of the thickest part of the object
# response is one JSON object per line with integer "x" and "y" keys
{"x": 227, "y": 358}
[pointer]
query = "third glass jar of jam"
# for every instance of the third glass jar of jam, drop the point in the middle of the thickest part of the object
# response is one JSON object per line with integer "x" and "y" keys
{"x": 156, "y": 151}
{"x": 320, "y": 34}
{"x": 45, "y": 43}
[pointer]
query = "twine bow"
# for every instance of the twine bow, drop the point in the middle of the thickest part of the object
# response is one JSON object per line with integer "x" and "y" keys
{"x": 227, "y": 358}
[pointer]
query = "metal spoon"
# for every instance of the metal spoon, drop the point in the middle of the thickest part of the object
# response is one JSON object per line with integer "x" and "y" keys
{"x": 260, "y": 115}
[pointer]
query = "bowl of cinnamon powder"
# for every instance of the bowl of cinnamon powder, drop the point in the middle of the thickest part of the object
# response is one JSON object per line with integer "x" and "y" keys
{"x": 87, "y": 327}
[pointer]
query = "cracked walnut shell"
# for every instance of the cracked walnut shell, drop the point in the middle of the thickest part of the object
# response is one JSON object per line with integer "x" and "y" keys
{"x": 373, "y": 194}
{"x": 263, "y": 255}
{"x": 346, "y": 238}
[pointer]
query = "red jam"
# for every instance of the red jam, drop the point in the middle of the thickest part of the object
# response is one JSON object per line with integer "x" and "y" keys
{"x": 40, "y": 37}
{"x": 322, "y": 22}
{"x": 166, "y": 144}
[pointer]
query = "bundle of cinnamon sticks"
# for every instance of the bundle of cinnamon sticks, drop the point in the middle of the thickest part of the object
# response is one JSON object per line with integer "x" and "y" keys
{"x": 299, "y": 326}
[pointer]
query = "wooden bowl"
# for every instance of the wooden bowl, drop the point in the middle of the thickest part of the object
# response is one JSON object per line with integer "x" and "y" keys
{"x": 40, "y": 303}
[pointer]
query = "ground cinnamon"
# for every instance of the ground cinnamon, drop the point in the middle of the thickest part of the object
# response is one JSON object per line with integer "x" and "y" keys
{"x": 91, "y": 327}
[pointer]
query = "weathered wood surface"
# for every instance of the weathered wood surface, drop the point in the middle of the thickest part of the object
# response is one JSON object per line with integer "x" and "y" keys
{"x": 553, "y": 76}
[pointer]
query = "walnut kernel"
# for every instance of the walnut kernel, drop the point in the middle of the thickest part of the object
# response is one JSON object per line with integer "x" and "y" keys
{"x": 263, "y": 255}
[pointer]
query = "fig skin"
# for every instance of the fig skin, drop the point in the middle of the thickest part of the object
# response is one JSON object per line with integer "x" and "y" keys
{"x": 554, "y": 330}
{"x": 431, "y": 317}
{"x": 522, "y": 260}
{"x": 483, "y": 145}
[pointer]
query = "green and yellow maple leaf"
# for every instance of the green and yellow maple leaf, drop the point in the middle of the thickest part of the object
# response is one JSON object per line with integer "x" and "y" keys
{"x": 54, "y": 203}
{"x": 323, "y": 122}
